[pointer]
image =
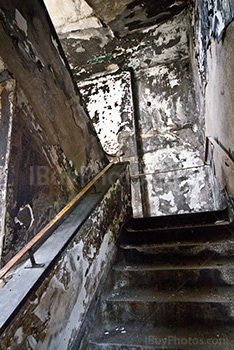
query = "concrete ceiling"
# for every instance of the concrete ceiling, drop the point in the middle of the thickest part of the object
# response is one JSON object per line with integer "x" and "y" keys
{"x": 125, "y": 16}
{"x": 99, "y": 35}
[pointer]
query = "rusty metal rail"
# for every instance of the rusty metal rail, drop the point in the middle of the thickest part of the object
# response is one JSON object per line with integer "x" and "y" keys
{"x": 28, "y": 247}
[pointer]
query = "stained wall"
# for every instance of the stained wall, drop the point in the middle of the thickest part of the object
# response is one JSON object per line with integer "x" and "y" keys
{"x": 168, "y": 165}
{"x": 213, "y": 34}
{"x": 53, "y": 311}
{"x": 53, "y": 149}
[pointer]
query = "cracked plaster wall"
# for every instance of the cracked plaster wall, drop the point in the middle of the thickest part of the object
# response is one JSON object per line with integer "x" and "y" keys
{"x": 55, "y": 312}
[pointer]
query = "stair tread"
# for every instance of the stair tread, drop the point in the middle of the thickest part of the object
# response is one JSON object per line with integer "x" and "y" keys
{"x": 176, "y": 244}
{"x": 180, "y": 227}
{"x": 176, "y": 265}
{"x": 174, "y": 338}
{"x": 195, "y": 295}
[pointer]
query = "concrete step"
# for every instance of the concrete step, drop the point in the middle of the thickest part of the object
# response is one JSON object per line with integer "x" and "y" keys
{"x": 166, "y": 222}
{"x": 220, "y": 231}
{"x": 181, "y": 306}
{"x": 121, "y": 337}
{"x": 154, "y": 252}
{"x": 167, "y": 275}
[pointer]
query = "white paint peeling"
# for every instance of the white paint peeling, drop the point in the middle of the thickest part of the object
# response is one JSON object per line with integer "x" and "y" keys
{"x": 89, "y": 33}
{"x": 19, "y": 335}
{"x": 10, "y": 85}
{"x": 2, "y": 65}
{"x": 105, "y": 110}
{"x": 21, "y": 22}
{"x": 165, "y": 34}
{"x": 79, "y": 49}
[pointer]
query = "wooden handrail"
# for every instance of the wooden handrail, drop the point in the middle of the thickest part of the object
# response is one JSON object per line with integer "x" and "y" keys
{"x": 45, "y": 230}
{"x": 222, "y": 151}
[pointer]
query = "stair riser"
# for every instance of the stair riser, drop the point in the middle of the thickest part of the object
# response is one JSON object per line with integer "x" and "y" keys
{"x": 179, "y": 220}
{"x": 154, "y": 255}
{"x": 178, "y": 235}
{"x": 161, "y": 313}
{"x": 162, "y": 280}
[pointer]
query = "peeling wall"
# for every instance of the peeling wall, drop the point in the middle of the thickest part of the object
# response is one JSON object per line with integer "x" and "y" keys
{"x": 93, "y": 52}
{"x": 7, "y": 89}
{"x": 168, "y": 126}
{"x": 53, "y": 314}
{"x": 37, "y": 186}
{"x": 219, "y": 104}
{"x": 172, "y": 139}
{"x": 110, "y": 106}
{"x": 54, "y": 150}
{"x": 71, "y": 15}
{"x": 32, "y": 52}
{"x": 213, "y": 38}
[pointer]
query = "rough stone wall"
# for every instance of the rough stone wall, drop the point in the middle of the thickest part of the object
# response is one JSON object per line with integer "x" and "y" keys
{"x": 53, "y": 314}
{"x": 213, "y": 47}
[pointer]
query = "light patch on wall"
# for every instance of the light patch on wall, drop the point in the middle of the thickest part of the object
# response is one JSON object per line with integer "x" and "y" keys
{"x": 71, "y": 15}
{"x": 110, "y": 106}
{"x": 180, "y": 192}
{"x": 6, "y": 121}
{"x": 70, "y": 11}
{"x": 106, "y": 108}
{"x": 21, "y": 22}
{"x": 2, "y": 67}
{"x": 172, "y": 158}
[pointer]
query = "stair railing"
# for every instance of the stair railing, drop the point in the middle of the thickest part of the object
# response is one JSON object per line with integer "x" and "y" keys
{"x": 50, "y": 227}
{"x": 209, "y": 140}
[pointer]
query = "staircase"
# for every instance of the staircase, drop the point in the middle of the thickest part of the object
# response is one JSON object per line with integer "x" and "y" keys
{"x": 171, "y": 286}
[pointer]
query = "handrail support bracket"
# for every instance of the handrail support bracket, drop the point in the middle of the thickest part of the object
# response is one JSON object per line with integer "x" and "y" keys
{"x": 33, "y": 262}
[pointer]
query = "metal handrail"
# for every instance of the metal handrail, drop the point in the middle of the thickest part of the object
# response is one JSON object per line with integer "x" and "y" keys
{"x": 28, "y": 247}
{"x": 209, "y": 140}
{"x": 168, "y": 171}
